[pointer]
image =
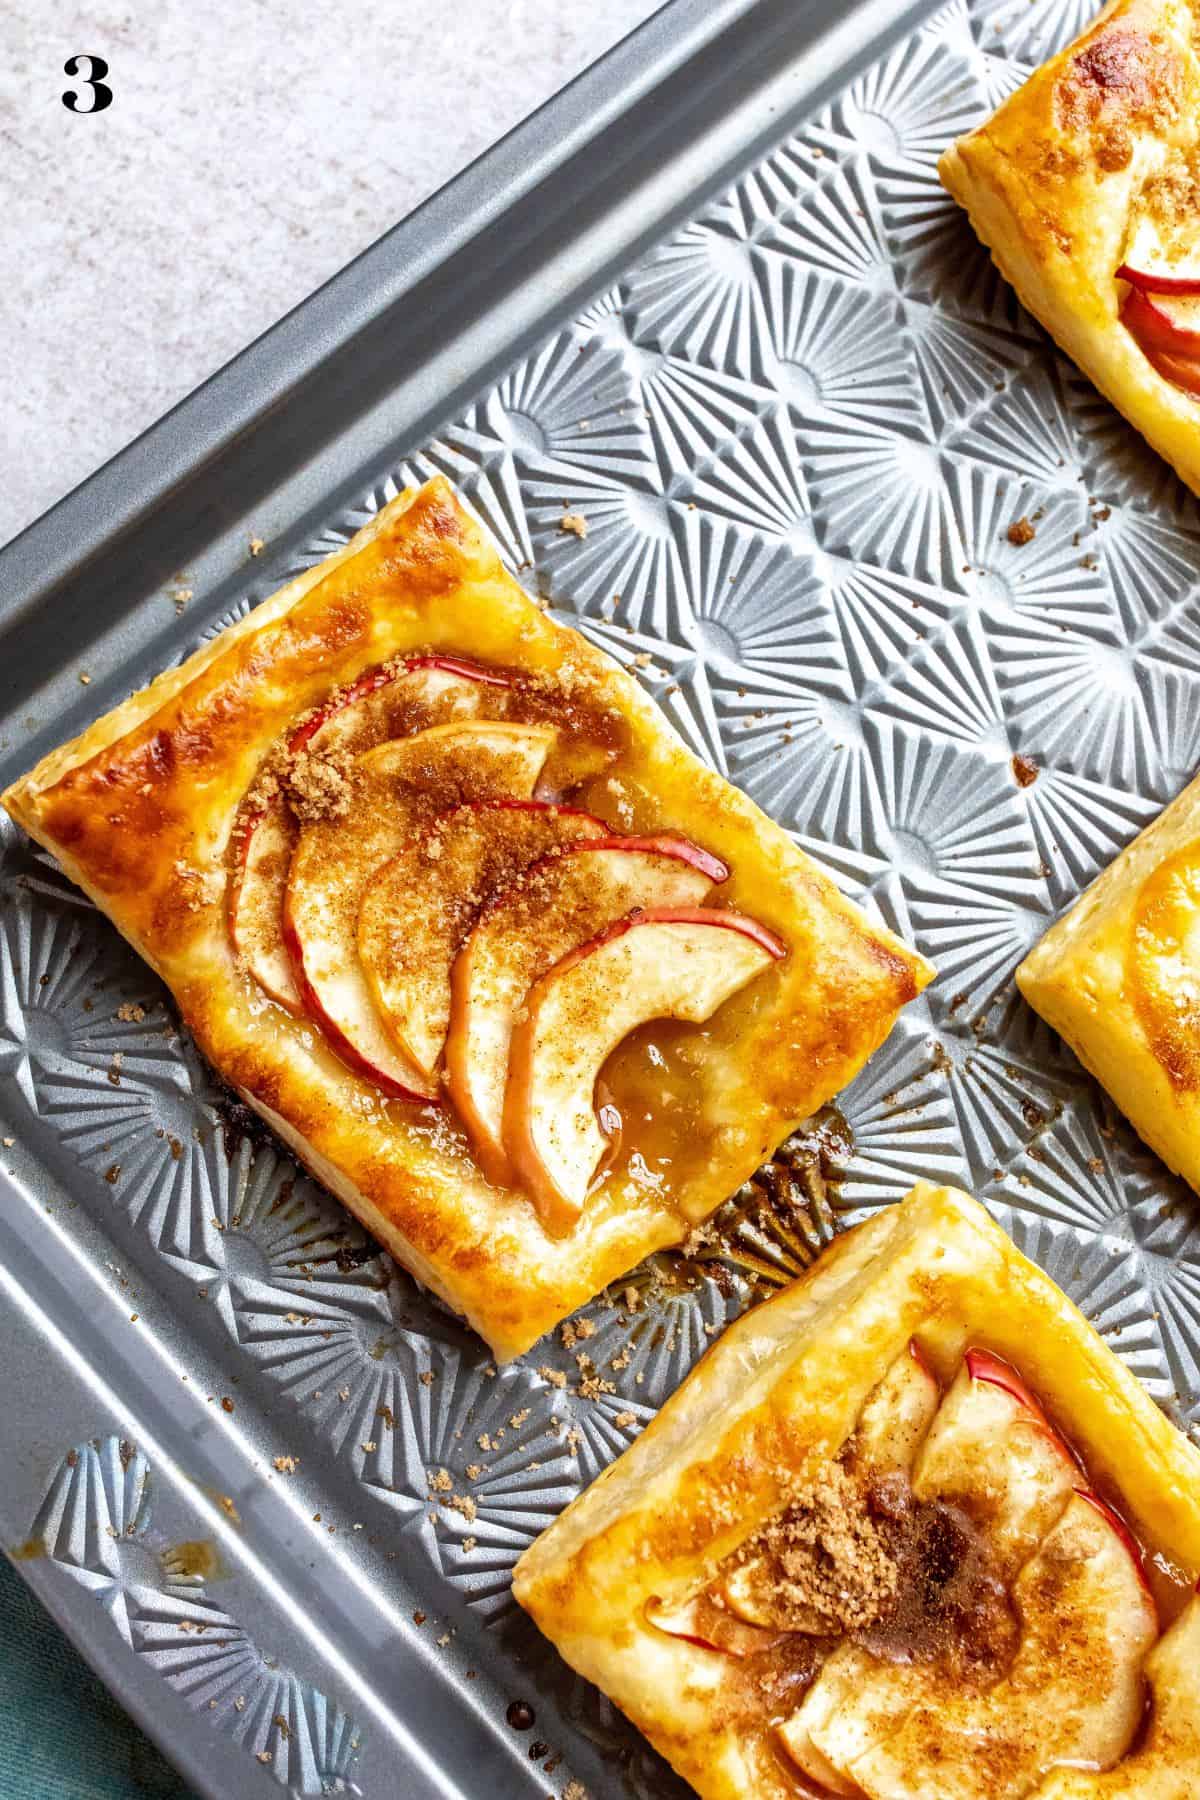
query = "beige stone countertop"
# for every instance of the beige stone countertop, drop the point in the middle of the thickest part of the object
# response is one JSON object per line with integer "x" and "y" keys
{"x": 249, "y": 151}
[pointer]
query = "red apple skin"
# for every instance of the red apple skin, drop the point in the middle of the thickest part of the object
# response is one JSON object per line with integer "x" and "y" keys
{"x": 671, "y": 915}
{"x": 983, "y": 1365}
{"x": 1126, "y": 1536}
{"x": 665, "y": 845}
{"x": 1150, "y": 283}
{"x": 379, "y": 678}
{"x": 1181, "y": 371}
{"x": 336, "y": 1038}
{"x": 1154, "y": 328}
{"x": 726, "y": 919}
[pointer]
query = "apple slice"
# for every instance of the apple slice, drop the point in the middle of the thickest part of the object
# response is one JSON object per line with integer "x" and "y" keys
{"x": 418, "y": 907}
{"x": 1163, "y": 321}
{"x": 1166, "y": 1763}
{"x": 680, "y": 963}
{"x": 394, "y": 702}
{"x": 262, "y": 855}
{"x": 559, "y": 904}
{"x": 1072, "y": 1695}
{"x": 1182, "y": 371}
{"x": 384, "y": 703}
{"x": 705, "y": 1622}
{"x": 990, "y": 1452}
{"x": 895, "y": 1417}
{"x": 399, "y": 787}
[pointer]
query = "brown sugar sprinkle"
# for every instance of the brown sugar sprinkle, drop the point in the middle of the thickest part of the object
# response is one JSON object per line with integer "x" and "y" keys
{"x": 1025, "y": 771}
{"x": 130, "y": 1013}
{"x": 574, "y": 524}
{"x": 439, "y": 1481}
{"x": 827, "y": 1559}
{"x": 287, "y": 1465}
{"x": 555, "y": 1377}
{"x": 1021, "y": 531}
{"x": 319, "y": 787}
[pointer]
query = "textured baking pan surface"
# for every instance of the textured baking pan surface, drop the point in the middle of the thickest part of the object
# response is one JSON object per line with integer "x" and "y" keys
{"x": 273, "y": 1489}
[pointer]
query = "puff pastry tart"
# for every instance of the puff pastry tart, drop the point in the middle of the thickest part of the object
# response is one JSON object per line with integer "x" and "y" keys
{"x": 1119, "y": 976}
{"x": 1085, "y": 187}
{"x": 441, "y": 894}
{"x": 908, "y": 1531}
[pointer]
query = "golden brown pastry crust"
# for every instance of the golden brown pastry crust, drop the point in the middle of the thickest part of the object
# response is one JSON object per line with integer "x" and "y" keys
{"x": 776, "y": 1396}
{"x": 139, "y": 811}
{"x": 1086, "y": 978}
{"x": 1052, "y": 183}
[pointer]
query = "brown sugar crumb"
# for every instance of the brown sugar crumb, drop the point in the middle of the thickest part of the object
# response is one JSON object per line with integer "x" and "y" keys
{"x": 319, "y": 787}
{"x": 1021, "y": 531}
{"x": 256, "y": 546}
{"x": 419, "y": 1617}
{"x": 631, "y": 1300}
{"x": 575, "y": 1790}
{"x": 112, "y": 1174}
{"x": 625, "y": 1418}
{"x": 287, "y": 1465}
{"x": 519, "y": 1418}
{"x": 130, "y": 1013}
{"x": 439, "y": 1481}
{"x": 1025, "y": 771}
{"x": 464, "y": 1504}
{"x": 555, "y": 1377}
{"x": 826, "y": 1559}
{"x": 573, "y": 523}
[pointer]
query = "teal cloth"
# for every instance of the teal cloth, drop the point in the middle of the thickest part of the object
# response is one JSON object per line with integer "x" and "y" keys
{"x": 62, "y": 1735}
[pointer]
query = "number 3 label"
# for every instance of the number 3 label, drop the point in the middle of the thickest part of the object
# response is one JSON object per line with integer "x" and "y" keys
{"x": 97, "y": 96}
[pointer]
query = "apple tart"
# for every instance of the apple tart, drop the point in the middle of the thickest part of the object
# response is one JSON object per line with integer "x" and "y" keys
{"x": 442, "y": 896}
{"x": 1119, "y": 977}
{"x": 1085, "y": 187}
{"x": 909, "y": 1531}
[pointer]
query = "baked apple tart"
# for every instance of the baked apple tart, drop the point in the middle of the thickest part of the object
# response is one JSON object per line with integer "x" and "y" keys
{"x": 1085, "y": 187}
{"x": 443, "y": 897}
{"x": 1119, "y": 977}
{"x": 909, "y": 1531}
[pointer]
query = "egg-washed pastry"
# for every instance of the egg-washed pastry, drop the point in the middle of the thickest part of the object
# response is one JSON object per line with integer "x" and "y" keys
{"x": 1085, "y": 187}
{"x": 442, "y": 895}
{"x": 1119, "y": 977}
{"x": 909, "y": 1531}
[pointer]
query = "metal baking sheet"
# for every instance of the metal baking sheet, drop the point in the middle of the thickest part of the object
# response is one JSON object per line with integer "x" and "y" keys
{"x": 798, "y": 411}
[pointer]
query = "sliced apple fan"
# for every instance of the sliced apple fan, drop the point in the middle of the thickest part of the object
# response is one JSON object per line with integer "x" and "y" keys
{"x": 399, "y": 882}
{"x": 1070, "y": 1617}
